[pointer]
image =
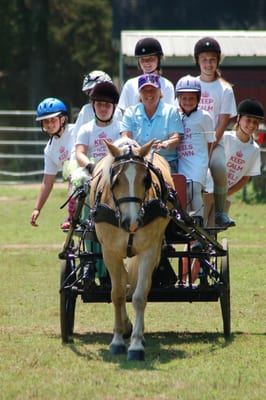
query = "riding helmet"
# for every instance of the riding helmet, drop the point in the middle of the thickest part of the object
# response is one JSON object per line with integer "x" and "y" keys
{"x": 50, "y": 107}
{"x": 148, "y": 47}
{"x": 105, "y": 91}
{"x": 94, "y": 77}
{"x": 207, "y": 44}
{"x": 187, "y": 84}
{"x": 251, "y": 108}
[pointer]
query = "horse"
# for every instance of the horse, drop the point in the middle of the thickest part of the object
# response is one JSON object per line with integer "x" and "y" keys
{"x": 130, "y": 198}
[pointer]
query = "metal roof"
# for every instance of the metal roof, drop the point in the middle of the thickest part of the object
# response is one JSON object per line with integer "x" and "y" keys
{"x": 238, "y": 47}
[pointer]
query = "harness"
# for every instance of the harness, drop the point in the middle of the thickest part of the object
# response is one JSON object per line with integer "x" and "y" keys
{"x": 150, "y": 209}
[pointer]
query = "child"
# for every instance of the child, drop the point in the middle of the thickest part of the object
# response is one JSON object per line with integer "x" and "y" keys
{"x": 86, "y": 113}
{"x": 193, "y": 150}
{"x": 149, "y": 53}
{"x": 52, "y": 113}
{"x": 217, "y": 98}
{"x": 242, "y": 154}
{"x": 90, "y": 147}
{"x": 89, "y": 144}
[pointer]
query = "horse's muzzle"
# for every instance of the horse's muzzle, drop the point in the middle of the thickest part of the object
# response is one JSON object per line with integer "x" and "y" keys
{"x": 131, "y": 226}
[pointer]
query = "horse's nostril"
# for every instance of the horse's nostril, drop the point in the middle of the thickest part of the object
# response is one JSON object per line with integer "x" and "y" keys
{"x": 130, "y": 226}
{"x": 125, "y": 224}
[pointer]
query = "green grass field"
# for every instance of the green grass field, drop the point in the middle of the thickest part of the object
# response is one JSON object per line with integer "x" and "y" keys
{"x": 187, "y": 356}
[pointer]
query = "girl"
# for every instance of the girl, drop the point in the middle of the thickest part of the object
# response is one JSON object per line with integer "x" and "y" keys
{"x": 217, "y": 98}
{"x": 242, "y": 154}
{"x": 193, "y": 150}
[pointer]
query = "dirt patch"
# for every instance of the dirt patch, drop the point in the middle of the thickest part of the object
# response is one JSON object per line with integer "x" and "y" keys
{"x": 57, "y": 185}
{"x": 5, "y": 198}
{"x": 31, "y": 246}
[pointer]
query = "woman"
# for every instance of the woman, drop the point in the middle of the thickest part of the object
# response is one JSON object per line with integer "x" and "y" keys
{"x": 152, "y": 118}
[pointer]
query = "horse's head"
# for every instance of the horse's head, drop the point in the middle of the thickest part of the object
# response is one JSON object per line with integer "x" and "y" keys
{"x": 130, "y": 179}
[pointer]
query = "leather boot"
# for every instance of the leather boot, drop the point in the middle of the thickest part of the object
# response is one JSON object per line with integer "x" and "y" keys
{"x": 221, "y": 218}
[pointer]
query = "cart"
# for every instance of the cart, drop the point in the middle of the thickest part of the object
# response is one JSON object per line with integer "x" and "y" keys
{"x": 78, "y": 266}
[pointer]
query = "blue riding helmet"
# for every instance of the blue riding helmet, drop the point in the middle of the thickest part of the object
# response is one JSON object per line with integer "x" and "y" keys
{"x": 50, "y": 107}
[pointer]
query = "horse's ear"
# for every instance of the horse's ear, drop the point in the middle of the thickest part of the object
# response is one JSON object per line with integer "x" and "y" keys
{"x": 113, "y": 150}
{"x": 144, "y": 150}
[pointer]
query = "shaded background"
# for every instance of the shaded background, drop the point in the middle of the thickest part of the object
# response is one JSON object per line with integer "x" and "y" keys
{"x": 47, "y": 46}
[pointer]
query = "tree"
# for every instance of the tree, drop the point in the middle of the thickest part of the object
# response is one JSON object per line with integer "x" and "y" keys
{"x": 47, "y": 46}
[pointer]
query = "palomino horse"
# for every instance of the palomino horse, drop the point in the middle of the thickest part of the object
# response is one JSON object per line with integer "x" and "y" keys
{"x": 130, "y": 193}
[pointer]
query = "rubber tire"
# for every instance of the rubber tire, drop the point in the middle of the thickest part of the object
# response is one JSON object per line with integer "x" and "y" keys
{"x": 67, "y": 305}
{"x": 225, "y": 291}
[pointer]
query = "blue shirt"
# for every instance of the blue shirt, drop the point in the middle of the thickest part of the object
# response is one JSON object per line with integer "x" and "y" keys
{"x": 164, "y": 122}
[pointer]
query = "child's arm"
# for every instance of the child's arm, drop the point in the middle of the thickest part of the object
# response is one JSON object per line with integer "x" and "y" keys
{"x": 239, "y": 185}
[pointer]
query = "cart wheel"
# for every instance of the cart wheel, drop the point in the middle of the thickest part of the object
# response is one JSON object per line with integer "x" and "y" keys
{"x": 225, "y": 291}
{"x": 67, "y": 304}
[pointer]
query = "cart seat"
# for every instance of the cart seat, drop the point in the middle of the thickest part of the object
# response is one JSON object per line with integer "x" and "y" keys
{"x": 180, "y": 183}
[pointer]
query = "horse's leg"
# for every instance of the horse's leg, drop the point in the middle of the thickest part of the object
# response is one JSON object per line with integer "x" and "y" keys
{"x": 122, "y": 324}
{"x": 147, "y": 263}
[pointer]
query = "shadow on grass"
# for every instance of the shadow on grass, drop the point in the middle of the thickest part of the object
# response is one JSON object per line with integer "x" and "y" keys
{"x": 161, "y": 347}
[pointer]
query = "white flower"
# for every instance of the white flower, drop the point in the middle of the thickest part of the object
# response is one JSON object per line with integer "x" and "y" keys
{"x": 79, "y": 177}
{"x": 68, "y": 168}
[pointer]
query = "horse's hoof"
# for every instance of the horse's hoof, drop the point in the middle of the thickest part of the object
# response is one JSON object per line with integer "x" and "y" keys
{"x": 135, "y": 355}
{"x": 118, "y": 349}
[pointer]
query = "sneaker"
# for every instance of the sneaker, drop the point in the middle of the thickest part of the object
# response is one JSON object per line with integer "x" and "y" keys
{"x": 223, "y": 221}
{"x": 65, "y": 225}
{"x": 196, "y": 247}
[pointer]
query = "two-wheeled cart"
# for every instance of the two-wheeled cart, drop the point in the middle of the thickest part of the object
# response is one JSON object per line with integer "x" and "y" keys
{"x": 211, "y": 284}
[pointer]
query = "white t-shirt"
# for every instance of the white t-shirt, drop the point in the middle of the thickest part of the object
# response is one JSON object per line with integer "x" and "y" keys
{"x": 242, "y": 159}
{"x": 130, "y": 93}
{"x": 92, "y": 135}
{"x": 86, "y": 114}
{"x": 193, "y": 149}
{"x": 217, "y": 98}
{"x": 58, "y": 150}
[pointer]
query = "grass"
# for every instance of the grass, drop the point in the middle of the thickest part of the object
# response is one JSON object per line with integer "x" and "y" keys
{"x": 186, "y": 358}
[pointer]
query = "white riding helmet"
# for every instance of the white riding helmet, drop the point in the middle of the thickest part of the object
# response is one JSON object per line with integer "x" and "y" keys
{"x": 94, "y": 77}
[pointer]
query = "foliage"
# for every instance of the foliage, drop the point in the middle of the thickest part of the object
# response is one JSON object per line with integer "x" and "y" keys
{"x": 81, "y": 36}
{"x": 47, "y": 46}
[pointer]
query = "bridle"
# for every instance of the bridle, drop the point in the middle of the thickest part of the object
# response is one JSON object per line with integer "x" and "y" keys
{"x": 117, "y": 168}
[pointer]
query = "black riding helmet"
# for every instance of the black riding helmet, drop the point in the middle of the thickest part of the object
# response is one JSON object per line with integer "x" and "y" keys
{"x": 207, "y": 44}
{"x": 251, "y": 108}
{"x": 149, "y": 47}
{"x": 107, "y": 92}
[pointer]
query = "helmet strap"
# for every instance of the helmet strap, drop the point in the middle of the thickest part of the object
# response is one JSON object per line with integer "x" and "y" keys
{"x": 62, "y": 126}
{"x": 158, "y": 67}
{"x": 188, "y": 114}
{"x": 105, "y": 121}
